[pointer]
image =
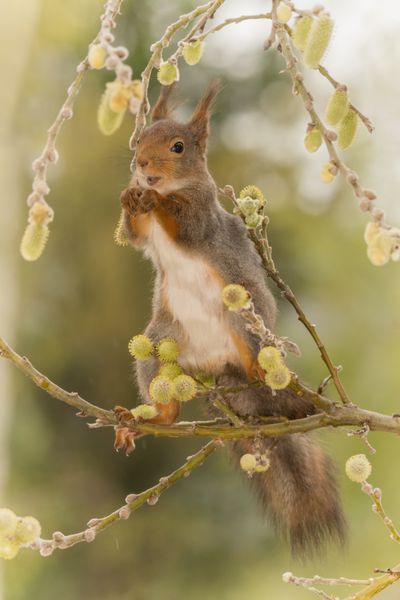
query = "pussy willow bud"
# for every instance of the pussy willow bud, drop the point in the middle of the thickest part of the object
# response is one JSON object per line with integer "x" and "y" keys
{"x": 170, "y": 370}
{"x": 270, "y": 358}
{"x": 144, "y": 411}
{"x": 97, "y": 56}
{"x": 136, "y": 89}
{"x": 253, "y": 221}
{"x": 193, "y": 51}
{"x": 168, "y": 350}
{"x": 8, "y": 522}
{"x": 337, "y": 106}
{"x": 120, "y": 237}
{"x": 161, "y": 389}
{"x": 185, "y": 388}
{"x": 283, "y": 12}
{"x": 34, "y": 241}
{"x": 119, "y": 97}
{"x": 371, "y": 232}
{"x": 28, "y": 529}
{"x": 248, "y": 462}
{"x": 327, "y": 173}
{"x": 318, "y": 40}
{"x": 8, "y": 548}
{"x": 108, "y": 119}
{"x": 301, "y": 31}
{"x": 358, "y": 468}
{"x": 167, "y": 73}
{"x": 380, "y": 249}
{"x": 279, "y": 378}
{"x": 347, "y": 129}
{"x": 140, "y": 347}
{"x": 235, "y": 296}
{"x": 249, "y": 206}
{"x": 253, "y": 192}
{"x": 313, "y": 139}
{"x": 263, "y": 464}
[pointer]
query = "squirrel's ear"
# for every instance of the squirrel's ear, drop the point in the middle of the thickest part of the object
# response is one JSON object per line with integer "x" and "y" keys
{"x": 200, "y": 120}
{"x": 162, "y": 108}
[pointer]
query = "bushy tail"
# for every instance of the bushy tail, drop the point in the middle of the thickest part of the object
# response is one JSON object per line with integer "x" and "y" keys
{"x": 299, "y": 493}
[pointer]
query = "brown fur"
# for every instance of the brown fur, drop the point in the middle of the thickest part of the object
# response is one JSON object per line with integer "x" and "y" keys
{"x": 299, "y": 490}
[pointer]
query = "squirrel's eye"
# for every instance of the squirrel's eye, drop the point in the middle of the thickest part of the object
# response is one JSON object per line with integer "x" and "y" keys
{"x": 178, "y": 147}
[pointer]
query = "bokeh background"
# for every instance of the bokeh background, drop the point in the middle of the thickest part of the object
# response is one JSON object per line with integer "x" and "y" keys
{"x": 74, "y": 310}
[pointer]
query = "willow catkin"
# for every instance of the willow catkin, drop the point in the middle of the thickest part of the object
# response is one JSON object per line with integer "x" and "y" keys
{"x": 347, "y": 129}
{"x": 318, "y": 41}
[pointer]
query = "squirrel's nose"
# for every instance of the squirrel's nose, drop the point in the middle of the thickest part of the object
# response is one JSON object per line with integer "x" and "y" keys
{"x": 143, "y": 162}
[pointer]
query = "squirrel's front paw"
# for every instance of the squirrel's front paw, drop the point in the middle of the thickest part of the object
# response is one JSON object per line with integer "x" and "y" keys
{"x": 136, "y": 200}
{"x": 130, "y": 199}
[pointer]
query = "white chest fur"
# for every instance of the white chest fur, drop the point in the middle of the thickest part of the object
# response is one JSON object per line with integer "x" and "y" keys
{"x": 193, "y": 295}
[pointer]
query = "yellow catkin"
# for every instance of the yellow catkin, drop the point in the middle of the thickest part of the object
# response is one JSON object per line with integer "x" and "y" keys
{"x": 327, "y": 174}
{"x": 283, "y": 12}
{"x": 235, "y": 296}
{"x": 167, "y": 73}
{"x": 97, "y": 56}
{"x": 107, "y": 119}
{"x": 347, "y": 129}
{"x": 337, "y": 106}
{"x": 248, "y": 462}
{"x": 380, "y": 249}
{"x": 28, "y": 529}
{"x": 312, "y": 139}
{"x": 301, "y": 31}
{"x": 120, "y": 237}
{"x": 192, "y": 52}
{"x": 318, "y": 41}
{"x": 358, "y": 468}
{"x": 34, "y": 241}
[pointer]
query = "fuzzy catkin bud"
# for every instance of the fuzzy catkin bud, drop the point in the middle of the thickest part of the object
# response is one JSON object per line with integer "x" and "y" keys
{"x": 97, "y": 56}
{"x": 337, "y": 106}
{"x": 8, "y": 522}
{"x": 235, "y": 296}
{"x": 270, "y": 358}
{"x": 168, "y": 350}
{"x": 167, "y": 73}
{"x": 144, "y": 411}
{"x": 193, "y": 51}
{"x": 248, "y": 462}
{"x": 283, "y": 12}
{"x": 327, "y": 173}
{"x": 253, "y": 221}
{"x": 380, "y": 249}
{"x": 161, "y": 389}
{"x": 40, "y": 213}
{"x": 34, "y": 241}
{"x": 8, "y": 549}
{"x": 170, "y": 370}
{"x": 313, "y": 139}
{"x": 358, "y": 468}
{"x": 28, "y": 529}
{"x": 254, "y": 192}
{"x": 347, "y": 129}
{"x": 301, "y": 31}
{"x": 318, "y": 41}
{"x": 112, "y": 107}
{"x": 185, "y": 388}
{"x": 140, "y": 347}
{"x": 249, "y": 206}
{"x": 120, "y": 236}
{"x": 278, "y": 378}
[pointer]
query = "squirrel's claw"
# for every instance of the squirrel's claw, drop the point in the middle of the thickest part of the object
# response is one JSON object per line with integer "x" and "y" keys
{"x": 124, "y": 440}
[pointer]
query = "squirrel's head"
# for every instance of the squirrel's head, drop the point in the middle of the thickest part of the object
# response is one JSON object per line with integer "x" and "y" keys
{"x": 169, "y": 153}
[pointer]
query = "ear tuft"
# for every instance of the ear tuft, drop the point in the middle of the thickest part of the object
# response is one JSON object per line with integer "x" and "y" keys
{"x": 163, "y": 108}
{"x": 200, "y": 120}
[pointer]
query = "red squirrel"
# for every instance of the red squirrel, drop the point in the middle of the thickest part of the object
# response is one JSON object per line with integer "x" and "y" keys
{"x": 171, "y": 211}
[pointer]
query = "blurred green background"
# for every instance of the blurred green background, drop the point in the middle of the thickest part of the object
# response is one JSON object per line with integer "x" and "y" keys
{"x": 74, "y": 310}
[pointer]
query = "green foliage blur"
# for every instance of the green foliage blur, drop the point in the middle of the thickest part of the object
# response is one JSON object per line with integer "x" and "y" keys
{"x": 79, "y": 305}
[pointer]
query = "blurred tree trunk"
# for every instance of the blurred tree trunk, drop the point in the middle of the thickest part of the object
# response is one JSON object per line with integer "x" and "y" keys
{"x": 17, "y": 22}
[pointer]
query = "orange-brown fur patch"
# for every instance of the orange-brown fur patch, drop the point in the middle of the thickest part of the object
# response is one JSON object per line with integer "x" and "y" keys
{"x": 140, "y": 224}
{"x": 167, "y": 222}
{"x": 167, "y": 413}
